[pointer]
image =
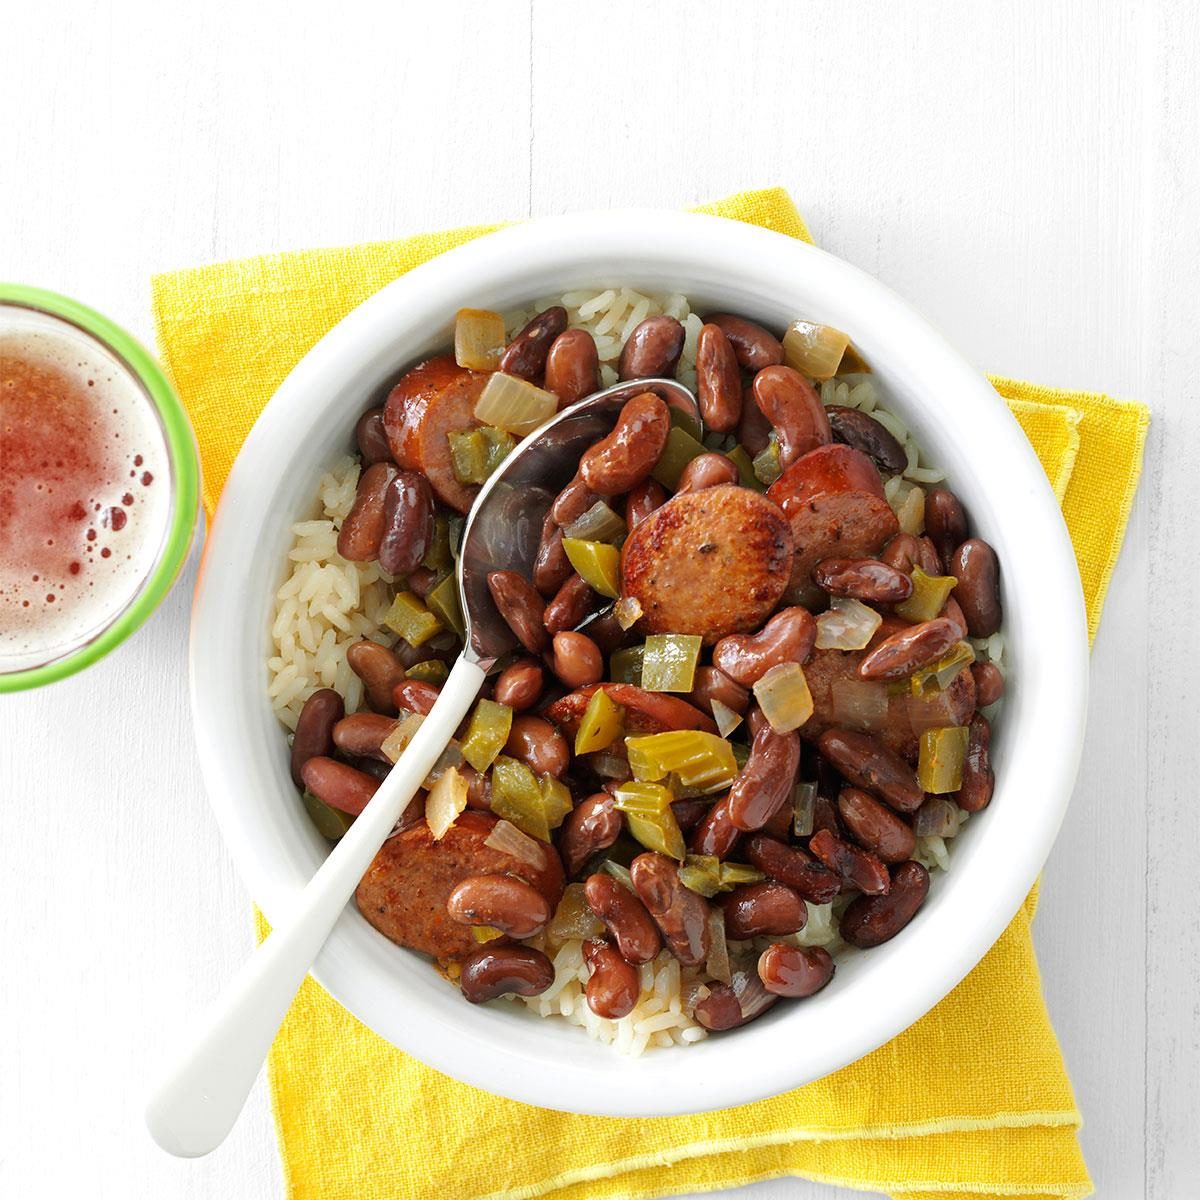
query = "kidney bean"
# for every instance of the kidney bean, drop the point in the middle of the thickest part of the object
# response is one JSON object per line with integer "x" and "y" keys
{"x": 865, "y": 579}
{"x": 711, "y": 683}
{"x": 519, "y": 685}
{"x": 728, "y": 1005}
{"x": 377, "y": 768}
{"x": 954, "y": 614}
{"x": 792, "y": 866}
{"x": 407, "y": 523}
{"x": 989, "y": 683}
{"x": 479, "y": 788}
{"x": 572, "y": 367}
{"x": 625, "y": 916}
{"x": 652, "y": 350}
{"x": 642, "y": 501}
{"x": 605, "y": 630}
{"x": 371, "y": 439}
{"x": 591, "y": 826}
{"x": 577, "y": 659}
{"x": 902, "y": 552}
{"x": 626, "y": 456}
{"x": 945, "y": 521}
{"x": 570, "y": 606}
{"x": 909, "y": 649}
{"x": 876, "y": 828}
{"x": 314, "y": 729}
{"x": 929, "y": 560}
{"x": 416, "y": 696}
{"x": 679, "y": 913}
{"x": 362, "y": 530}
{"x": 551, "y": 568}
{"x": 502, "y": 970}
{"x": 363, "y": 734}
{"x": 525, "y": 356}
{"x": 787, "y": 637}
{"x": 756, "y": 722}
{"x": 572, "y": 502}
{"x": 380, "y": 671}
{"x": 825, "y": 816}
{"x": 871, "y": 920}
{"x": 422, "y": 581}
{"x": 716, "y": 834}
{"x": 613, "y": 985}
{"x": 794, "y": 971}
{"x": 753, "y": 346}
{"x": 853, "y": 427}
{"x": 754, "y": 430}
{"x": 718, "y": 381}
{"x": 690, "y": 812}
{"x": 537, "y": 743}
{"x": 338, "y": 785}
{"x": 706, "y": 471}
{"x": 795, "y": 411}
{"x": 858, "y": 868}
{"x": 867, "y": 763}
{"x": 521, "y": 607}
{"x": 975, "y": 567}
{"x": 765, "y": 782}
{"x": 767, "y": 909}
{"x": 501, "y": 901}
{"x": 978, "y": 778}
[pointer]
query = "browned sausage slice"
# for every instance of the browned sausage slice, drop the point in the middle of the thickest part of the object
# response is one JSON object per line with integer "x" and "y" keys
{"x": 436, "y": 398}
{"x": 645, "y": 712}
{"x": 833, "y": 498}
{"x": 712, "y": 562}
{"x": 405, "y": 890}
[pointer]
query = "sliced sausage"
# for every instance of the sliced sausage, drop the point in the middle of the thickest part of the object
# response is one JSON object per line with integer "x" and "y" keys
{"x": 711, "y": 563}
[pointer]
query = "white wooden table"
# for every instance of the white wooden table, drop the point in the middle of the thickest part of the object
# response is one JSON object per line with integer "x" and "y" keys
{"x": 1028, "y": 174}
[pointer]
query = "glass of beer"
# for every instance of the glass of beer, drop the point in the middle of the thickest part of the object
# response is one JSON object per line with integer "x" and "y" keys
{"x": 99, "y": 485}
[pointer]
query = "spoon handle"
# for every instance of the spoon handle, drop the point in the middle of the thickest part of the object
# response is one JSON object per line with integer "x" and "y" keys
{"x": 200, "y": 1097}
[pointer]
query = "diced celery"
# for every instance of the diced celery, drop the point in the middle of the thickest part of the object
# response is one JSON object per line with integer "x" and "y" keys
{"x": 500, "y": 445}
{"x": 432, "y": 670}
{"x": 745, "y": 466}
{"x": 600, "y": 724}
{"x": 735, "y": 874}
{"x": 468, "y": 455}
{"x": 514, "y": 405}
{"x": 598, "y": 524}
{"x": 680, "y": 449}
{"x": 599, "y": 565}
{"x": 942, "y": 755}
{"x": 670, "y": 661}
{"x": 814, "y": 350}
{"x": 928, "y": 597}
{"x": 619, "y": 872}
{"x": 650, "y": 818}
{"x": 556, "y": 799}
{"x": 938, "y": 675}
{"x": 438, "y": 558}
{"x": 625, "y": 666}
{"x": 573, "y": 918}
{"x": 701, "y": 760}
{"x": 783, "y": 695}
{"x": 479, "y": 339}
{"x": 767, "y": 467}
{"x": 442, "y": 601}
{"x": 717, "y": 966}
{"x": 701, "y": 873}
{"x": 684, "y": 421}
{"x": 487, "y": 732}
{"x": 517, "y": 798}
{"x": 330, "y": 822}
{"x": 455, "y": 525}
{"x": 486, "y": 933}
{"x": 409, "y": 617}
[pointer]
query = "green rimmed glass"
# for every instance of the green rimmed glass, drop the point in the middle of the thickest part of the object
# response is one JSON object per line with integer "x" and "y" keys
{"x": 184, "y": 475}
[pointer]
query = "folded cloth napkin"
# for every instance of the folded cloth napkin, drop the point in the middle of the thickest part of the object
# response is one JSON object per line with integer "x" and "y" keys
{"x": 973, "y": 1100}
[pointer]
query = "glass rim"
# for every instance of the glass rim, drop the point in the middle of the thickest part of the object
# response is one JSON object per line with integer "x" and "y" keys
{"x": 185, "y": 482}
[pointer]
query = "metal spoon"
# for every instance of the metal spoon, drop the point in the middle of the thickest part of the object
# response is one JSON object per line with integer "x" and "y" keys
{"x": 199, "y": 1099}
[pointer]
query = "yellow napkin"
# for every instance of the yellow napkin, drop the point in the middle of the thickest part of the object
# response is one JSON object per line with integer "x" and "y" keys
{"x": 973, "y": 1100}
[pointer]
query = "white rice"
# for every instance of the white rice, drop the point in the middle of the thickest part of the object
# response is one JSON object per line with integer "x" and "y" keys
{"x": 327, "y": 603}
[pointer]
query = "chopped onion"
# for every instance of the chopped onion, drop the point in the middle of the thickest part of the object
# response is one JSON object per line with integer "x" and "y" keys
{"x": 814, "y": 350}
{"x": 860, "y": 704}
{"x": 445, "y": 801}
{"x": 908, "y": 503}
{"x": 607, "y": 764}
{"x": 514, "y": 405}
{"x": 452, "y": 756}
{"x": 804, "y": 807}
{"x": 846, "y": 625}
{"x": 598, "y": 524}
{"x": 478, "y": 339}
{"x": 718, "y": 955}
{"x": 628, "y": 611}
{"x": 727, "y": 720}
{"x": 937, "y": 817}
{"x": 618, "y": 872}
{"x": 506, "y": 838}
{"x": 783, "y": 696}
{"x": 397, "y": 741}
{"x": 573, "y": 919}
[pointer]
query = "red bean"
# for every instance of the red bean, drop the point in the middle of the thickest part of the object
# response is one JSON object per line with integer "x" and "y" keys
{"x": 363, "y": 734}
{"x": 794, "y": 867}
{"x": 795, "y": 971}
{"x": 521, "y": 607}
{"x": 765, "y": 782}
{"x": 788, "y": 636}
{"x": 754, "y": 347}
{"x": 338, "y": 785}
{"x": 864, "y": 579}
{"x": 869, "y": 764}
{"x": 716, "y": 834}
{"x": 978, "y": 778}
{"x": 502, "y": 902}
{"x": 769, "y": 909}
{"x": 577, "y": 659}
{"x": 910, "y": 649}
{"x": 537, "y": 743}
{"x": 628, "y": 921}
{"x": 945, "y": 521}
{"x": 652, "y": 349}
{"x": 519, "y": 685}
{"x": 613, "y": 985}
{"x": 314, "y": 729}
{"x": 718, "y": 381}
{"x": 526, "y": 354}
{"x": 989, "y": 683}
{"x": 876, "y": 828}
{"x": 871, "y": 920}
{"x": 497, "y": 971}
{"x": 680, "y": 913}
{"x": 859, "y": 869}
{"x": 977, "y": 570}
{"x": 572, "y": 367}
{"x": 624, "y": 458}
{"x": 591, "y": 826}
{"x": 380, "y": 671}
{"x": 363, "y": 528}
{"x": 371, "y": 439}
{"x": 408, "y": 523}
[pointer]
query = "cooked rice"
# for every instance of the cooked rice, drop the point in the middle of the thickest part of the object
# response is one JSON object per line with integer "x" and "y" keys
{"x": 327, "y": 603}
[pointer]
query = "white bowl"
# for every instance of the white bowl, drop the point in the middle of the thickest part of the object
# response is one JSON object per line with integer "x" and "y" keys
{"x": 958, "y": 419}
